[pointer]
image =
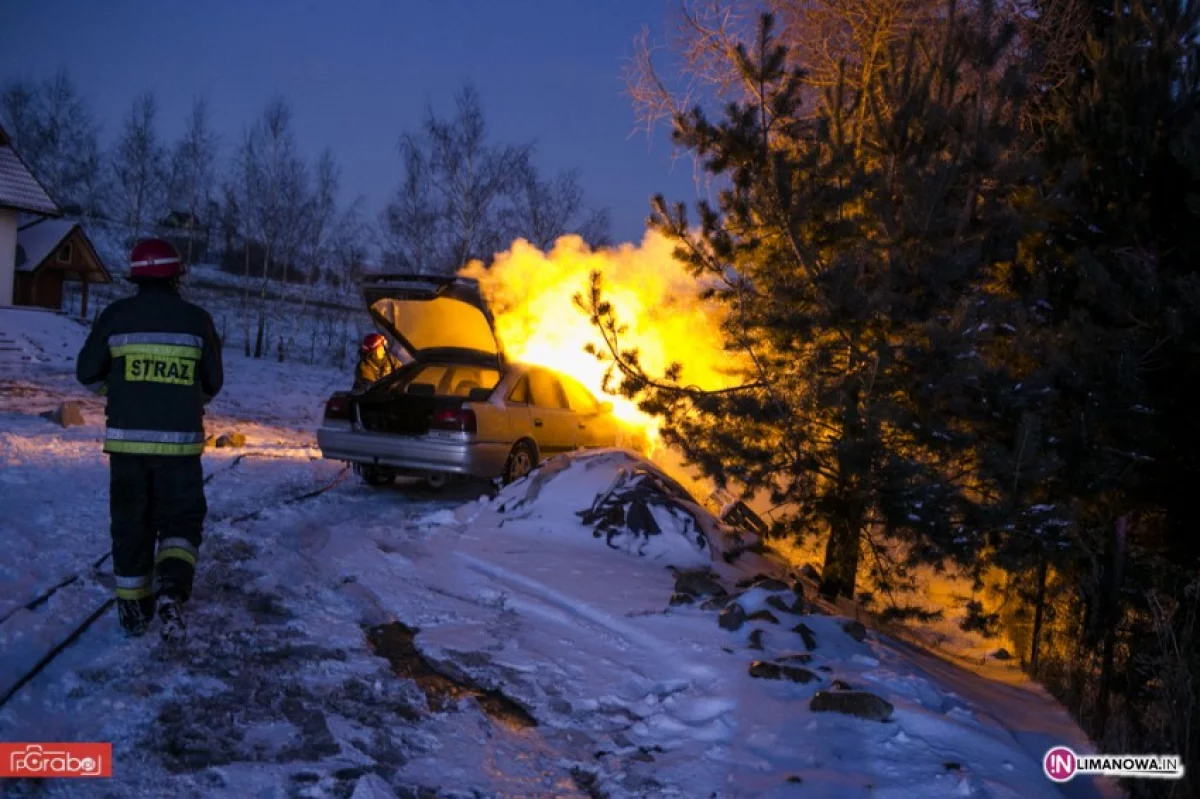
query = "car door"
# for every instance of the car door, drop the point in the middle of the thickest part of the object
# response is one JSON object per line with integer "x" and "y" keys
{"x": 554, "y": 425}
{"x": 595, "y": 423}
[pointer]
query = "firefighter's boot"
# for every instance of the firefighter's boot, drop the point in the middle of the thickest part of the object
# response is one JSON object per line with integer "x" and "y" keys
{"x": 135, "y": 615}
{"x": 170, "y": 612}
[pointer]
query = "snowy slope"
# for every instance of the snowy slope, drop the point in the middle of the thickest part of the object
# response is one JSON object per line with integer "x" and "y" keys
{"x": 588, "y": 681}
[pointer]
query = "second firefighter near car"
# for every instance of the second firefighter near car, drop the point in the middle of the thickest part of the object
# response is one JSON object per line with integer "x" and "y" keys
{"x": 157, "y": 358}
{"x": 459, "y": 407}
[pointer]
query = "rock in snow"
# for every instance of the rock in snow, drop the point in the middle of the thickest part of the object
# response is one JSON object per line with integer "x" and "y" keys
{"x": 732, "y": 617}
{"x": 67, "y": 414}
{"x": 863, "y": 704}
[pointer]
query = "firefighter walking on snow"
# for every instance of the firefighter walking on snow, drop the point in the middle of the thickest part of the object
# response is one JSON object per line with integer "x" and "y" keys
{"x": 374, "y": 361}
{"x": 158, "y": 360}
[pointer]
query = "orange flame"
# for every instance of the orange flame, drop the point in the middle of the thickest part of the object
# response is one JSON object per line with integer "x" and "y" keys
{"x": 532, "y": 295}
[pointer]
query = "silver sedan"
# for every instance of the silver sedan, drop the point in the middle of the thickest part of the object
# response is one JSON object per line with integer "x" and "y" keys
{"x": 433, "y": 419}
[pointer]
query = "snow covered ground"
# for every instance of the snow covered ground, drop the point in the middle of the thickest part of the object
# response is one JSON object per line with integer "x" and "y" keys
{"x": 364, "y": 642}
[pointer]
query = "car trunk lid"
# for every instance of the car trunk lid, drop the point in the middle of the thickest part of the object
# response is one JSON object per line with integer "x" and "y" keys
{"x": 434, "y": 317}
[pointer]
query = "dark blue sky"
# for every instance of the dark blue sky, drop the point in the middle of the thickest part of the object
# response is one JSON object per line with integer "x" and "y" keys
{"x": 358, "y": 72}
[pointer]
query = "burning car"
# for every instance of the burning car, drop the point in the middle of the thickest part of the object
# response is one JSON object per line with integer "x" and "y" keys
{"x": 458, "y": 407}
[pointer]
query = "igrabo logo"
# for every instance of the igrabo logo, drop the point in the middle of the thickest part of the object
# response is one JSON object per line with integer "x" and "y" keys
{"x": 1061, "y": 764}
{"x": 55, "y": 760}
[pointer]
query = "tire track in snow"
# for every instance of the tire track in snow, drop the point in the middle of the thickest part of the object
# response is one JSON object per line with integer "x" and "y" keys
{"x": 44, "y": 596}
{"x": 78, "y": 630}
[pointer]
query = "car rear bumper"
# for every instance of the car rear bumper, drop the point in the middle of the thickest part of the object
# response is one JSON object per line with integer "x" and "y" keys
{"x": 414, "y": 454}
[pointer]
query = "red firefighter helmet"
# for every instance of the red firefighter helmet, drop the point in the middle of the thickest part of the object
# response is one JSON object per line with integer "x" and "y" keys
{"x": 373, "y": 341}
{"x": 155, "y": 258}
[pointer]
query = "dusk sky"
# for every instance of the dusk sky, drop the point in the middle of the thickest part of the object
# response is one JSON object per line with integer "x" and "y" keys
{"x": 359, "y": 72}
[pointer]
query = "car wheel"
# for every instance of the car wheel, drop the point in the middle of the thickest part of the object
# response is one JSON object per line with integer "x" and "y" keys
{"x": 520, "y": 463}
{"x": 436, "y": 481}
{"x": 374, "y": 476}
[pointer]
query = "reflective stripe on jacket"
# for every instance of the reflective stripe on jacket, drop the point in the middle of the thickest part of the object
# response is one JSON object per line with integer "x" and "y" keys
{"x": 158, "y": 361}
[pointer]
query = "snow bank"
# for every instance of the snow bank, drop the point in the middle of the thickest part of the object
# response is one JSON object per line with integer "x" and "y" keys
{"x": 559, "y": 595}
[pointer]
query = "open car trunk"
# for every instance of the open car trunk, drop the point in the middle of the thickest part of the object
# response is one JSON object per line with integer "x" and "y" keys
{"x": 405, "y": 415}
{"x": 407, "y": 402}
{"x": 434, "y": 317}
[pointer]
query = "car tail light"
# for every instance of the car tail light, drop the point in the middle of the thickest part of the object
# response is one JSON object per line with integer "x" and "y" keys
{"x": 460, "y": 420}
{"x": 337, "y": 407}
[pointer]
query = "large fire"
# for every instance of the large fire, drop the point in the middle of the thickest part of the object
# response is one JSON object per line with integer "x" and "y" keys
{"x": 532, "y": 295}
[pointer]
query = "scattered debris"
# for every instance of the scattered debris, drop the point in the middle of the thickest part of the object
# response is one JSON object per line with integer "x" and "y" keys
{"x": 768, "y": 583}
{"x": 717, "y": 602}
{"x": 588, "y": 782}
{"x": 678, "y": 598}
{"x": 863, "y": 704}
{"x": 764, "y": 670}
{"x": 855, "y": 630}
{"x": 732, "y": 617}
{"x": 810, "y": 638}
{"x": 232, "y": 440}
{"x": 756, "y": 641}
{"x": 780, "y": 604}
{"x": 698, "y": 583}
{"x": 626, "y": 508}
{"x": 67, "y": 414}
{"x": 395, "y": 642}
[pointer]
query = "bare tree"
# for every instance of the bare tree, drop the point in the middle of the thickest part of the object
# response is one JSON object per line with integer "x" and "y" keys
{"x": 274, "y": 186}
{"x": 837, "y": 42}
{"x": 139, "y": 168}
{"x": 543, "y": 210}
{"x": 53, "y": 129}
{"x": 464, "y": 198}
{"x": 448, "y": 209}
{"x": 193, "y": 170}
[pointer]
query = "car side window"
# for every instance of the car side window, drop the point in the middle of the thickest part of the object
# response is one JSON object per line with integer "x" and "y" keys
{"x": 520, "y": 394}
{"x": 580, "y": 399}
{"x": 546, "y": 390}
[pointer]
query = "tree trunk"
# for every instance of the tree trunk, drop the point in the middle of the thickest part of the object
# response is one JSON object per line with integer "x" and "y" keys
{"x": 258, "y": 339}
{"x": 1112, "y": 617}
{"x": 840, "y": 572}
{"x": 83, "y": 297}
{"x": 259, "y": 344}
{"x": 1038, "y": 614}
{"x": 845, "y": 530}
{"x": 246, "y": 298}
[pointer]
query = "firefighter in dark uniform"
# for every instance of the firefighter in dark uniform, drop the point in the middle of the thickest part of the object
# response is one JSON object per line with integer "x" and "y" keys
{"x": 374, "y": 361}
{"x": 157, "y": 358}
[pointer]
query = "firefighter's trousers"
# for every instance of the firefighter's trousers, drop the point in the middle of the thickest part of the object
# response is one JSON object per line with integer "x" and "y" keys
{"x": 156, "y": 503}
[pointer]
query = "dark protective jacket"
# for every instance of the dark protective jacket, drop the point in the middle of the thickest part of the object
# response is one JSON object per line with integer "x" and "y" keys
{"x": 371, "y": 369}
{"x": 158, "y": 359}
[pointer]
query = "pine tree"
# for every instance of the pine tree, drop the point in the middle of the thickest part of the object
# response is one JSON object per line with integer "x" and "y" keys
{"x": 853, "y": 264}
{"x": 1116, "y": 272}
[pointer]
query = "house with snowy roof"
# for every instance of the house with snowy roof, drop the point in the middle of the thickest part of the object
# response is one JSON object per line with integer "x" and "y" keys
{"x": 38, "y": 249}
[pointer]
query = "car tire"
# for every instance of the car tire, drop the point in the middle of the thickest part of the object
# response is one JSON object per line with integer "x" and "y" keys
{"x": 521, "y": 461}
{"x": 436, "y": 482}
{"x": 374, "y": 476}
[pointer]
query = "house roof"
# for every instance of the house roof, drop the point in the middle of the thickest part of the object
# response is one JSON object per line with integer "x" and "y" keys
{"x": 39, "y": 240}
{"x": 19, "y": 189}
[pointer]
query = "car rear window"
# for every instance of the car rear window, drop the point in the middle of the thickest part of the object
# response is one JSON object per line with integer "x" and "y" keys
{"x": 449, "y": 380}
